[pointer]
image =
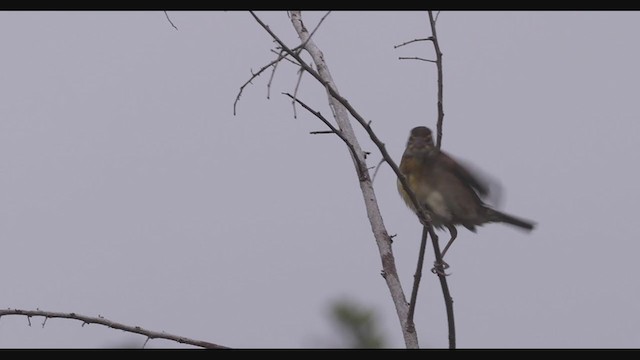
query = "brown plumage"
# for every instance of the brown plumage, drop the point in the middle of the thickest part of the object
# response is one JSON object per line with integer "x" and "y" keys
{"x": 446, "y": 190}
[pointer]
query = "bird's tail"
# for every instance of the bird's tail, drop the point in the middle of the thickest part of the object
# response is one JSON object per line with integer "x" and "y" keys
{"x": 497, "y": 216}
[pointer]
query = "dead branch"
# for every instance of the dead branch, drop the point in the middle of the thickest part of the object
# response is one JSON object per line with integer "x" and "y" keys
{"x": 340, "y": 106}
{"x": 314, "y": 30}
{"x": 295, "y": 92}
{"x": 255, "y": 75}
{"x": 418, "y": 275}
{"x": 411, "y": 41}
{"x": 448, "y": 300}
{"x": 108, "y": 323}
{"x": 436, "y": 46}
{"x": 341, "y": 110}
{"x": 415, "y": 58}
{"x": 273, "y": 63}
{"x": 360, "y": 166}
{"x": 169, "y": 19}
{"x": 273, "y": 73}
{"x": 422, "y": 215}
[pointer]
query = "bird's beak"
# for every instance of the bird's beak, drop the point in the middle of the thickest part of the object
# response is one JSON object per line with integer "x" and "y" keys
{"x": 420, "y": 143}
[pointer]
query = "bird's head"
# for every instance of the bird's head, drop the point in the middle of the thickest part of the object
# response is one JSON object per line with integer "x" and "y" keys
{"x": 420, "y": 141}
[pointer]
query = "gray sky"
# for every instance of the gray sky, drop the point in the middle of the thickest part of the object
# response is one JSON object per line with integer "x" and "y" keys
{"x": 129, "y": 190}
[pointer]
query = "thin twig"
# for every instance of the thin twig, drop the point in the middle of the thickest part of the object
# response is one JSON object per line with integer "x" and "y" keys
{"x": 417, "y": 276}
{"x": 436, "y": 46}
{"x": 334, "y": 130}
{"x": 168, "y": 18}
{"x": 295, "y": 92}
{"x": 373, "y": 178}
{"x": 273, "y": 73}
{"x": 273, "y": 63}
{"x": 253, "y": 76}
{"x": 112, "y": 324}
{"x": 412, "y": 41}
{"x": 415, "y": 58}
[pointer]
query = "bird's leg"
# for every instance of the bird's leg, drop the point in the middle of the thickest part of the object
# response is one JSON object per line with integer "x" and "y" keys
{"x": 440, "y": 267}
{"x": 454, "y": 234}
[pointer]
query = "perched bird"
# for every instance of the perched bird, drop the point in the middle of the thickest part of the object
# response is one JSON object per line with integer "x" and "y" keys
{"x": 445, "y": 189}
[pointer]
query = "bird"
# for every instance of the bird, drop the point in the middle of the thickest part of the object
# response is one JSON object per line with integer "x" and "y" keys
{"x": 446, "y": 190}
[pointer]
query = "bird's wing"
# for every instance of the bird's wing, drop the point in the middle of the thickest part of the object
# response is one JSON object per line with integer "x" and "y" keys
{"x": 464, "y": 175}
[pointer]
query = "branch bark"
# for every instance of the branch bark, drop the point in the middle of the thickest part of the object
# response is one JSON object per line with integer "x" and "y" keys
{"x": 383, "y": 241}
{"x": 108, "y": 323}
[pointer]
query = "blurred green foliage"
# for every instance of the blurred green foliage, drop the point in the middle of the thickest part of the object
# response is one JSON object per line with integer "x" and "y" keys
{"x": 357, "y": 325}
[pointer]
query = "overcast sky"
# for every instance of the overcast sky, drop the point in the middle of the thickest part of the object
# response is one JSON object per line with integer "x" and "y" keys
{"x": 129, "y": 190}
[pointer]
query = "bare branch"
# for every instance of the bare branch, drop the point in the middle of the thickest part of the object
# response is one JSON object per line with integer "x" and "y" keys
{"x": 340, "y": 106}
{"x": 295, "y": 92}
{"x": 417, "y": 276}
{"x": 361, "y": 166}
{"x": 342, "y": 109}
{"x": 412, "y": 41}
{"x": 169, "y": 19}
{"x": 255, "y": 75}
{"x": 273, "y": 63}
{"x": 439, "y": 264}
{"x": 301, "y": 72}
{"x": 448, "y": 300}
{"x": 415, "y": 58}
{"x": 112, "y": 324}
{"x": 436, "y": 46}
{"x": 273, "y": 72}
{"x": 314, "y": 30}
{"x": 422, "y": 215}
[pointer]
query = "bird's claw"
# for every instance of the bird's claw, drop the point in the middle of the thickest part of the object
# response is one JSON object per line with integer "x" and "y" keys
{"x": 439, "y": 268}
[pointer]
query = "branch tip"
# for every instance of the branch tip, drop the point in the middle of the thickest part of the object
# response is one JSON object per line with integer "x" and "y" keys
{"x": 169, "y": 19}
